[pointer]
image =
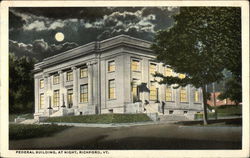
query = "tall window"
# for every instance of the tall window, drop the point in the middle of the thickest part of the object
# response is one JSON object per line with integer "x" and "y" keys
{"x": 196, "y": 96}
{"x": 70, "y": 97}
{"x": 152, "y": 68}
{"x": 152, "y": 93}
{"x": 41, "y": 83}
{"x": 56, "y": 98}
{"x": 84, "y": 93}
{"x": 56, "y": 79}
{"x": 83, "y": 72}
{"x": 69, "y": 76}
{"x": 134, "y": 88}
{"x": 168, "y": 93}
{"x": 135, "y": 65}
{"x": 41, "y": 101}
{"x": 111, "y": 89}
{"x": 183, "y": 94}
{"x": 168, "y": 72}
{"x": 111, "y": 66}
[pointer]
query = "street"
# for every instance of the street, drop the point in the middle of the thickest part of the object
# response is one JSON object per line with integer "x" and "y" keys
{"x": 158, "y": 136}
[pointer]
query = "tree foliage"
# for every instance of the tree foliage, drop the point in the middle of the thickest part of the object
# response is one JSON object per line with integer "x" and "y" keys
{"x": 21, "y": 84}
{"x": 202, "y": 43}
{"x": 232, "y": 90}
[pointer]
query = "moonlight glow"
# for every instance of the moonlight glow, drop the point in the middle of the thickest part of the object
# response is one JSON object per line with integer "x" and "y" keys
{"x": 59, "y": 36}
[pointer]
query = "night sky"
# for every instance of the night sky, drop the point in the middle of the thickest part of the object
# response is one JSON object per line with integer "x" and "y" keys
{"x": 32, "y": 30}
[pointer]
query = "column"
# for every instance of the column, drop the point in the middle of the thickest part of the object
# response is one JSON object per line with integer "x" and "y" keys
{"x": 62, "y": 89}
{"x": 36, "y": 88}
{"x": 46, "y": 88}
{"x": 90, "y": 85}
{"x": 75, "y": 87}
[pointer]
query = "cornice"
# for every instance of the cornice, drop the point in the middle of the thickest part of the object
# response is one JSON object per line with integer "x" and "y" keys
{"x": 94, "y": 47}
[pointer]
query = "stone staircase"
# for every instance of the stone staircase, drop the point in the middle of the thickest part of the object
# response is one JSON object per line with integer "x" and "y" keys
{"x": 152, "y": 108}
{"x": 173, "y": 117}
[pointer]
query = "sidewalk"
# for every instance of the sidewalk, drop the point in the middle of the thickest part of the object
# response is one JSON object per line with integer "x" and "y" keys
{"x": 106, "y": 125}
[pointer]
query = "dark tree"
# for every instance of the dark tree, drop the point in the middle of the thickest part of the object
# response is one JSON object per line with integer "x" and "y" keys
{"x": 201, "y": 44}
{"x": 21, "y": 84}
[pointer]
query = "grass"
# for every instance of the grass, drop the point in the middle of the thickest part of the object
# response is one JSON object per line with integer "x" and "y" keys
{"x": 26, "y": 116}
{"x": 223, "y": 111}
{"x": 22, "y": 131}
{"x": 104, "y": 118}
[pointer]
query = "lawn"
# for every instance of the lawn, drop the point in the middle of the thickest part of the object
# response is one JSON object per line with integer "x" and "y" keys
{"x": 23, "y": 131}
{"x": 103, "y": 118}
{"x": 223, "y": 111}
{"x": 26, "y": 116}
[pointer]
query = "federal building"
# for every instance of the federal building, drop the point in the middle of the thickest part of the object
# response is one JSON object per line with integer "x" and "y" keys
{"x": 110, "y": 76}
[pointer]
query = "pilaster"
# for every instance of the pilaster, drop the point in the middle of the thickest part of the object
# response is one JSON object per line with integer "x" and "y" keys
{"x": 75, "y": 87}
{"x": 90, "y": 83}
{"x": 46, "y": 88}
{"x": 36, "y": 94}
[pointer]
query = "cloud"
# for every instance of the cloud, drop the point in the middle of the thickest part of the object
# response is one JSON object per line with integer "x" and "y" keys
{"x": 39, "y": 49}
{"x": 36, "y": 25}
{"x": 83, "y": 25}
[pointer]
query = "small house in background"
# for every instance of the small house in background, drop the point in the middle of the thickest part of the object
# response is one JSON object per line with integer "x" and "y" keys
{"x": 214, "y": 101}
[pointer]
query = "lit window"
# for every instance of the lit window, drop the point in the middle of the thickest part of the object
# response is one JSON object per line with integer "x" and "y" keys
{"x": 70, "y": 97}
{"x": 152, "y": 94}
{"x": 196, "y": 96}
{"x": 83, "y": 72}
{"x": 84, "y": 93}
{"x": 181, "y": 76}
{"x": 134, "y": 88}
{"x": 168, "y": 93}
{"x": 111, "y": 89}
{"x": 135, "y": 65}
{"x": 168, "y": 72}
{"x": 152, "y": 68}
{"x": 41, "y": 101}
{"x": 42, "y": 83}
{"x": 56, "y": 98}
{"x": 111, "y": 66}
{"x": 56, "y": 79}
{"x": 69, "y": 76}
{"x": 183, "y": 94}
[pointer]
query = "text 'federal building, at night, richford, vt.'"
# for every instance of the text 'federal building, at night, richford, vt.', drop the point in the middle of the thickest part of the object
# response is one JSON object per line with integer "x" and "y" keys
{"x": 110, "y": 76}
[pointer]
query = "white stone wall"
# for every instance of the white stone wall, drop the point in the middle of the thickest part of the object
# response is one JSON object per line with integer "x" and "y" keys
{"x": 98, "y": 77}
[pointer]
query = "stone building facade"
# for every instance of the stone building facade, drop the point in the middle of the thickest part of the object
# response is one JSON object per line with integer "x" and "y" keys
{"x": 109, "y": 76}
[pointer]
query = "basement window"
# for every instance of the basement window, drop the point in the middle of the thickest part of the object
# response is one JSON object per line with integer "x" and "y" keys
{"x": 171, "y": 111}
{"x": 110, "y": 110}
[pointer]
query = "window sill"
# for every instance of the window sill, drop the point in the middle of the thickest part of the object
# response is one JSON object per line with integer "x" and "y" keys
{"x": 111, "y": 71}
{"x": 138, "y": 71}
{"x": 83, "y": 77}
{"x": 170, "y": 101}
{"x": 185, "y": 102}
{"x": 111, "y": 99}
{"x": 197, "y": 102}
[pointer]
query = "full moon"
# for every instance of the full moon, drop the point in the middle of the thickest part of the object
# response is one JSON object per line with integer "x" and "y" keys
{"x": 59, "y": 36}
